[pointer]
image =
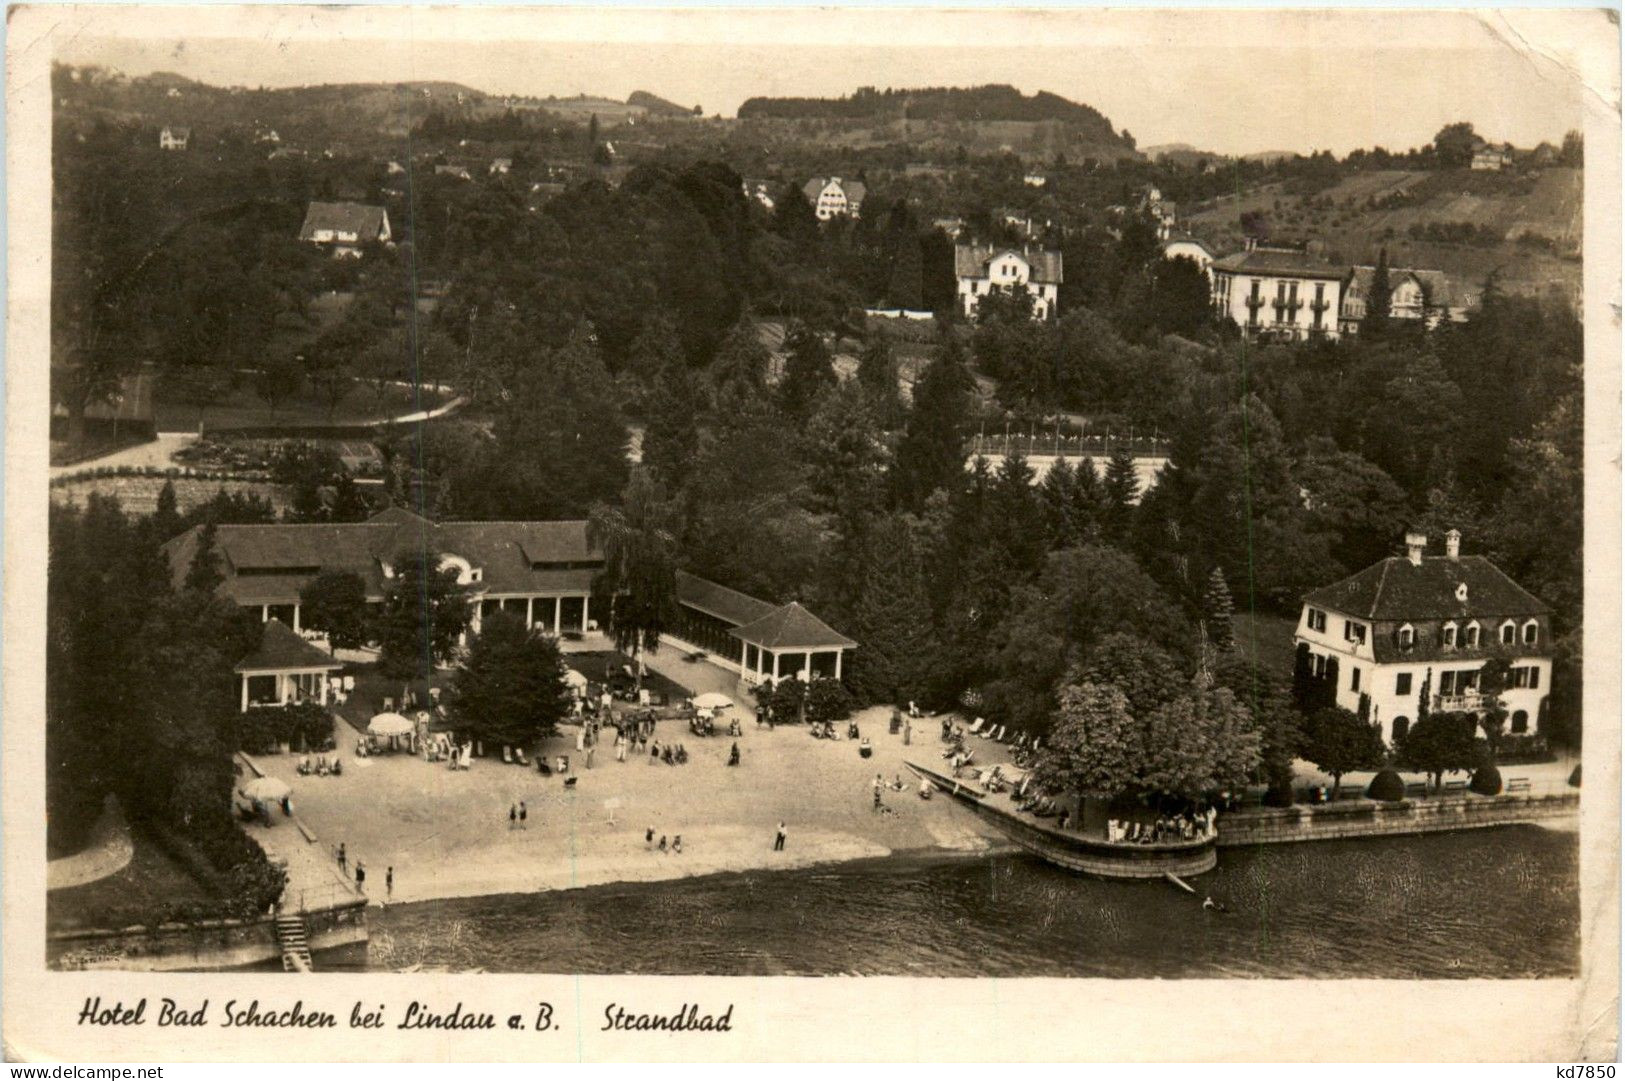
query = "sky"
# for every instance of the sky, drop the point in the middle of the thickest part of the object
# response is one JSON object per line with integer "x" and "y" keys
{"x": 1231, "y": 82}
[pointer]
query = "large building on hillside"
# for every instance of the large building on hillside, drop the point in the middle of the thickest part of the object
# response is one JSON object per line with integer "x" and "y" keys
{"x": 1417, "y": 622}
{"x": 982, "y": 268}
{"x": 832, "y": 197}
{"x": 1279, "y": 293}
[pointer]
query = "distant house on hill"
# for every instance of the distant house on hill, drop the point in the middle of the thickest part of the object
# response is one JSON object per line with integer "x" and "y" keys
{"x": 981, "y": 268}
{"x": 345, "y": 227}
{"x": 1279, "y": 293}
{"x": 832, "y": 197}
{"x": 1412, "y": 295}
{"x": 951, "y": 226}
{"x": 501, "y": 166}
{"x": 1035, "y": 180}
{"x": 457, "y": 171}
{"x": 174, "y": 137}
{"x": 1492, "y": 157}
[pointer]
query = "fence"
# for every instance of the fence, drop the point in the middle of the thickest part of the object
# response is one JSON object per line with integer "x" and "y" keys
{"x": 1056, "y": 444}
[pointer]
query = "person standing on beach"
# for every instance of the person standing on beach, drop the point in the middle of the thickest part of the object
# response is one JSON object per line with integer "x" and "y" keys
{"x": 649, "y": 838}
{"x": 389, "y": 881}
{"x": 513, "y": 815}
{"x": 343, "y": 868}
{"x": 778, "y": 841}
{"x": 360, "y": 877}
{"x": 523, "y": 814}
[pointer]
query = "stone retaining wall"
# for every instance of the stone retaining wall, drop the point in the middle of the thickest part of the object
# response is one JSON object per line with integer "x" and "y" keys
{"x": 207, "y": 944}
{"x": 1371, "y": 818}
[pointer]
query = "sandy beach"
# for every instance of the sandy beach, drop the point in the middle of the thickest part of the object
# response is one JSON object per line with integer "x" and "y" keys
{"x": 447, "y": 833}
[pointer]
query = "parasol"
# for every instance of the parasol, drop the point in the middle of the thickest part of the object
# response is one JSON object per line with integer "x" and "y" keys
{"x": 268, "y": 789}
{"x": 713, "y": 700}
{"x": 389, "y": 724}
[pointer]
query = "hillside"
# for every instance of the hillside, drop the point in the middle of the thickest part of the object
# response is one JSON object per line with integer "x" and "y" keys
{"x": 1526, "y": 224}
{"x": 655, "y": 105}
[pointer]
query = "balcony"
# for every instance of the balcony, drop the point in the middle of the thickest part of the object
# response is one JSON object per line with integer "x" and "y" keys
{"x": 1459, "y": 703}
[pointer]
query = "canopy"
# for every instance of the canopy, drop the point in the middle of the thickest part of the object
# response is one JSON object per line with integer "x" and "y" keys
{"x": 389, "y": 724}
{"x": 713, "y": 700}
{"x": 575, "y": 679}
{"x": 266, "y": 788}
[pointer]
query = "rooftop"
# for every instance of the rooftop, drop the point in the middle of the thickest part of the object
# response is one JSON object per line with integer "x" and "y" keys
{"x": 1396, "y": 589}
{"x": 366, "y": 222}
{"x": 971, "y": 260}
{"x": 280, "y": 649}
{"x": 792, "y": 627}
{"x": 1282, "y": 263}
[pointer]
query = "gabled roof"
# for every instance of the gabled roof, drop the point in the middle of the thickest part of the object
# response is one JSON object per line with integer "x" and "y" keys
{"x": 1397, "y": 589}
{"x": 971, "y": 260}
{"x": 1441, "y": 290}
{"x": 728, "y": 605}
{"x": 1279, "y": 263}
{"x": 270, "y": 563}
{"x": 792, "y": 627}
{"x": 280, "y": 649}
{"x": 178, "y": 131}
{"x": 366, "y": 222}
{"x": 1186, "y": 238}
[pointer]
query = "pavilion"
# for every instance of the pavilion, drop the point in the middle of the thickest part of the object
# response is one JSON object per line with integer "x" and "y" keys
{"x": 763, "y": 642}
{"x": 285, "y": 668}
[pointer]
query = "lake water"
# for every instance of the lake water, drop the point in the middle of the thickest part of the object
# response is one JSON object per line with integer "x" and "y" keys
{"x": 1487, "y": 903}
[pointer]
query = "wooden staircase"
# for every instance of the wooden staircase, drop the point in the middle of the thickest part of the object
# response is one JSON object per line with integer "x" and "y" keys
{"x": 295, "y": 943}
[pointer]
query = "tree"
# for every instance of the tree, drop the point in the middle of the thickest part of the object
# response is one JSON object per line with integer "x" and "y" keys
{"x": 640, "y": 566}
{"x": 1455, "y": 143}
{"x": 1202, "y": 741}
{"x": 828, "y": 700}
{"x": 166, "y": 519}
{"x": 1095, "y": 747}
{"x": 1122, "y": 486}
{"x": 203, "y": 574}
{"x": 1217, "y": 611}
{"x": 279, "y": 379}
{"x": 877, "y": 372}
{"x": 676, "y": 408}
{"x": 424, "y": 614}
{"x": 931, "y": 454}
{"x": 1146, "y": 674}
{"x": 1338, "y": 742}
{"x": 891, "y": 617}
{"x": 334, "y": 603}
{"x": 1439, "y": 743}
{"x": 807, "y": 370}
{"x": 509, "y": 688}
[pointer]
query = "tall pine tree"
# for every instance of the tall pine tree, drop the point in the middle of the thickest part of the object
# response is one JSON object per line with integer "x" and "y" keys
{"x": 931, "y": 454}
{"x": 1218, "y": 612}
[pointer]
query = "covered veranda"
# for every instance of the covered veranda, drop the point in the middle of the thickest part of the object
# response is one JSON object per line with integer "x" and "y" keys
{"x": 285, "y": 668}
{"x": 790, "y": 641}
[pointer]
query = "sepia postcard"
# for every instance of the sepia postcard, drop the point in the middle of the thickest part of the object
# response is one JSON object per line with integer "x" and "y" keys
{"x": 842, "y": 533}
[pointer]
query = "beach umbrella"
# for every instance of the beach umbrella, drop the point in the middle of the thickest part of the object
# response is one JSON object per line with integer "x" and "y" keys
{"x": 575, "y": 679}
{"x": 268, "y": 789}
{"x": 389, "y": 724}
{"x": 713, "y": 700}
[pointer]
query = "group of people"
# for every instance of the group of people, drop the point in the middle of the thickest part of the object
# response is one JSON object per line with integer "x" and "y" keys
{"x": 360, "y": 872}
{"x": 1177, "y": 827}
{"x": 322, "y": 766}
{"x": 675, "y": 847}
{"x": 672, "y": 755}
{"x": 518, "y": 814}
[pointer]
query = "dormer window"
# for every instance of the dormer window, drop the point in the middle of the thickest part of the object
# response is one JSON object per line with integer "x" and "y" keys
{"x": 1448, "y": 636}
{"x": 1461, "y": 592}
{"x": 1531, "y": 633}
{"x": 1471, "y": 635}
{"x": 1509, "y": 633}
{"x": 1407, "y": 636}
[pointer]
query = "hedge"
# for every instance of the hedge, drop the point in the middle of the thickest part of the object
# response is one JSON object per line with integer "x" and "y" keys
{"x": 1387, "y": 786}
{"x": 1487, "y": 781}
{"x": 302, "y": 726}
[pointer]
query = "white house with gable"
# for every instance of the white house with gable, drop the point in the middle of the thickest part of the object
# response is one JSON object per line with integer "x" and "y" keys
{"x": 982, "y": 268}
{"x": 1417, "y": 622}
{"x": 832, "y": 197}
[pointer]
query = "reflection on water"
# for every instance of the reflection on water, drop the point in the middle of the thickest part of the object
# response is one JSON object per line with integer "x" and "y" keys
{"x": 1486, "y": 903}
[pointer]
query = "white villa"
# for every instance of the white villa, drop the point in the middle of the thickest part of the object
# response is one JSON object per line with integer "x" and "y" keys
{"x": 981, "y": 268}
{"x": 174, "y": 137}
{"x": 832, "y": 197}
{"x": 1185, "y": 246}
{"x": 1277, "y": 292}
{"x": 1413, "y": 295}
{"x": 1405, "y": 623}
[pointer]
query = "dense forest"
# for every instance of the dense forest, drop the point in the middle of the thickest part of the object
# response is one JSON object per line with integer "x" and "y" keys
{"x": 992, "y": 102}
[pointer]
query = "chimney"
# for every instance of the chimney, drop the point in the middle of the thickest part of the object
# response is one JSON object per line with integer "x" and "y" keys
{"x": 1452, "y": 544}
{"x": 1415, "y": 545}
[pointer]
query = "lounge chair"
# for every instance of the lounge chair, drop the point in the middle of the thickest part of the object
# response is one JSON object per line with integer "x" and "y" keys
{"x": 507, "y": 755}
{"x": 976, "y": 728}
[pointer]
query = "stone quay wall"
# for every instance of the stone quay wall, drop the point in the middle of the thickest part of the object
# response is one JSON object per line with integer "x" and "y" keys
{"x": 1371, "y": 818}
{"x": 207, "y": 944}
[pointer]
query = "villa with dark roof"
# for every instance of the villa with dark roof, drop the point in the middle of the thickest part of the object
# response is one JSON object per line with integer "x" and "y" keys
{"x": 1405, "y": 624}
{"x": 1279, "y": 293}
{"x": 345, "y": 226}
{"x": 982, "y": 268}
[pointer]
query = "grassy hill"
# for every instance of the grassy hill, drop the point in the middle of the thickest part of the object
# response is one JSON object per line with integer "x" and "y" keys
{"x": 1526, "y": 224}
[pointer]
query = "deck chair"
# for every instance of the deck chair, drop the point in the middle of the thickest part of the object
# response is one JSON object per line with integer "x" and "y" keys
{"x": 976, "y": 728}
{"x": 507, "y": 755}
{"x": 1006, "y": 737}
{"x": 519, "y": 756}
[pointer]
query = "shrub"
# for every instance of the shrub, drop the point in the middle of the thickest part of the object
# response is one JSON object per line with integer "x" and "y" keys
{"x": 1279, "y": 793}
{"x": 1487, "y": 781}
{"x": 303, "y": 725}
{"x": 828, "y": 700}
{"x": 1387, "y": 786}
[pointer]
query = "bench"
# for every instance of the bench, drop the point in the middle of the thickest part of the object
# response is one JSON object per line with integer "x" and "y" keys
{"x": 1518, "y": 785}
{"x": 1455, "y": 786}
{"x": 1416, "y": 790}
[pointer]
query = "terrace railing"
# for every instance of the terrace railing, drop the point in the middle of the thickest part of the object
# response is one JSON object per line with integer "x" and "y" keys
{"x": 1056, "y": 444}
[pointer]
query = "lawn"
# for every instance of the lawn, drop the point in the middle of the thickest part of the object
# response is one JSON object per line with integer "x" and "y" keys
{"x": 1268, "y": 639}
{"x": 150, "y": 880}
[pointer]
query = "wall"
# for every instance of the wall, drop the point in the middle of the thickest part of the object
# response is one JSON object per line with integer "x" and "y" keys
{"x": 1370, "y": 818}
{"x": 208, "y": 944}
